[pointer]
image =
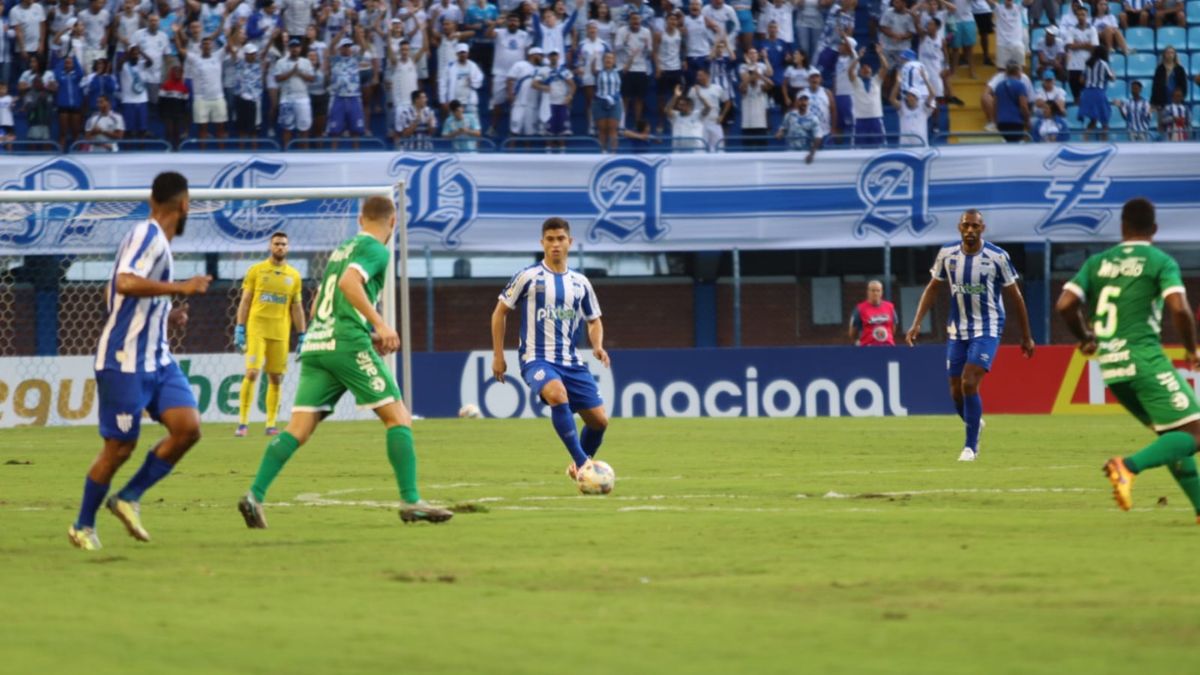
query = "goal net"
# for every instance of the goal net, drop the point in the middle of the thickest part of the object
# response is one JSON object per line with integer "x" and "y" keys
{"x": 57, "y": 250}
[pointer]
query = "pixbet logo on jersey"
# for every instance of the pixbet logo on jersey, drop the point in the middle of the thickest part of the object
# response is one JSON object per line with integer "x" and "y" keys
{"x": 556, "y": 314}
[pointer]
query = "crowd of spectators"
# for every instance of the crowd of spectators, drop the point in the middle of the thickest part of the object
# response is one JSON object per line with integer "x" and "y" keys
{"x": 447, "y": 73}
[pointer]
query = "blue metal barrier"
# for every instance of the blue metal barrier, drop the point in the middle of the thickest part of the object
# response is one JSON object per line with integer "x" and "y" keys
{"x": 230, "y": 145}
{"x": 339, "y": 144}
{"x": 131, "y": 145}
{"x": 482, "y": 144}
{"x": 540, "y": 144}
{"x": 27, "y": 147}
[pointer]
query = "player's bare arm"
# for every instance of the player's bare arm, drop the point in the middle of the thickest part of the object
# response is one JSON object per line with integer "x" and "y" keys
{"x": 298, "y": 318}
{"x": 138, "y": 287}
{"x": 927, "y": 297}
{"x": 351, "y": 285}
{"x": 595, "y": 331}
{"x": 1014, "y": 299}
{"x": 1070, "y": 308}
{"x": 1185, "y": 323}
{"x": 243, "y": 310}
{"x": 499, "y": 325}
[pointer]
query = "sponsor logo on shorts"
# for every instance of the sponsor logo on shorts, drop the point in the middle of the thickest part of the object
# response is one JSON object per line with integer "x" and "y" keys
{"x": 1112, "y": 373}
{"x": 539, "y": 375}
{"x": 1179, "y": 401}
{"x": 124, "y": 422}
{"x": 377, "y": 384}
{"x": 985, "y": 357}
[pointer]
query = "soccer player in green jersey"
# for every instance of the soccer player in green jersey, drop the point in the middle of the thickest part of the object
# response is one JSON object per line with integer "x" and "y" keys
{"x": 1124, "y": 290}
{"x": 341, "y": 353}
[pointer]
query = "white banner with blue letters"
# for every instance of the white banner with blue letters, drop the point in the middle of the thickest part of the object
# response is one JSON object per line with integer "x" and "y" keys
{"x": 685, "y": 202}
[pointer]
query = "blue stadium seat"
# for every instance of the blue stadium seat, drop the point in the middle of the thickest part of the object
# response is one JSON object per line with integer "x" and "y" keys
{"x": 1193, "y": 15}
{"x": 1073, "y": 118}
{"x": 1117, "y": 62}
{"x": 1141, "y": 64}
{"x": 1171, "y": 36}
{"x": 1116, "y": 89}
{"x": 1194, "y": 34}
{"x": 1116, "y": 121}
{"x": 1147, "y": 85}
{"x": 1196, "y": 117}
{"x": 1141, "y": 39}
{"x": 1035, "y": 37}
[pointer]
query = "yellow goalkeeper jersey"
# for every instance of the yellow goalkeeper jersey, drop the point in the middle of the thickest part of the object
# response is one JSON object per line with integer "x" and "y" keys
{"x": 273, "y": 288}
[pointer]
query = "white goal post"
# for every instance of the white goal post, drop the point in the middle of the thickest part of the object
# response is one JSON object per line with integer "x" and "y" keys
{"x": 394, "y": 191}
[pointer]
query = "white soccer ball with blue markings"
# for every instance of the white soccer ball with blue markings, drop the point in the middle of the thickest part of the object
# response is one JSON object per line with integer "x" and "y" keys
{"x": 596, "y": 478}
{"x": 470, "y": 411}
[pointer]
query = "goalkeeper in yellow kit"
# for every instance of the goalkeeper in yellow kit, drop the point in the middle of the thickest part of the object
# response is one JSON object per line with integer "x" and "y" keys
{"x": 271, "y": 303}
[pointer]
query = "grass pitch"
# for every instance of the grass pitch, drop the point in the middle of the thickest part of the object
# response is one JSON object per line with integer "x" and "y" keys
{"x": 729, "y": 546}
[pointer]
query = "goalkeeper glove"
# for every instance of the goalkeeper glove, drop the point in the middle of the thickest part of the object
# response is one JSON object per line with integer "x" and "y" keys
{"x": 239, "y": 338}
{"x": 299, "y": 342}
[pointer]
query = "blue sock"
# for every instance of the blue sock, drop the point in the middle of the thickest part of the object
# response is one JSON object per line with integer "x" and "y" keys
{"x": 958, "y": 405}
{"x": 93, "y": 497}
{"x": 972, "y": 413}
{"x": 590, "y": 440}
{"x": 153, "y": 470}
{"x": 564, "y": 424}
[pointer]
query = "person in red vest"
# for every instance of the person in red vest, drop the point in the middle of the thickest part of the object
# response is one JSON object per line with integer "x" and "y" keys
{"x": 873, "y": 323}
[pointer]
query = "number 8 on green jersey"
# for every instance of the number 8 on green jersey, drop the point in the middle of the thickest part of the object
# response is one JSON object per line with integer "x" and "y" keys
{"x": 1124, "y": 288}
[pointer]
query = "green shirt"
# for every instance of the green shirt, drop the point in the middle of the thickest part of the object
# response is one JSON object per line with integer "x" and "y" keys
{"x": 337, "y": 326}
{"x": 1124, "y": 288}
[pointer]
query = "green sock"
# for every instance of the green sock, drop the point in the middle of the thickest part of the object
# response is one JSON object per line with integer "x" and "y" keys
{"x": 403, "y": 457}
{"x": 1184, "y": 471}
{"x": 1170, "y": 447}
{"x": 278, "y": 452}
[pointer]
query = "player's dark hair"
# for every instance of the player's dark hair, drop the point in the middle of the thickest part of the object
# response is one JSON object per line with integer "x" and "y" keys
{"x": 168, "y": 186}
{"x": 971, "y": 212}
{"x": 556, "y": 224}
{"x": 276, "y": 235}
{"x": 377, "y": 209}
{"x": 1137, "y": 216}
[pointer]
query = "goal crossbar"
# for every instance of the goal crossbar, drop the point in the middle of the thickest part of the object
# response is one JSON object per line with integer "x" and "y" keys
{"x": 395, "y": 192}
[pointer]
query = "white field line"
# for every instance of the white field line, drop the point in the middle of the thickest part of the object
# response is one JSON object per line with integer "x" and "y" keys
{"x": 942, "y": 491}
{"x": 873, "y": 472}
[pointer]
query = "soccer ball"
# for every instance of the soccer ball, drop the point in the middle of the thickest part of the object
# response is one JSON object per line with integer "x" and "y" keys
{"x": 596, "y": 478}
{"x": 470, "y": 410}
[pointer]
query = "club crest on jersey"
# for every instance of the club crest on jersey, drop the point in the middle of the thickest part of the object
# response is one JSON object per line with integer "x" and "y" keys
{"x": 627, "y": 194}
{"x": 894, "y": 189}
{"x": 1083, "y": 184}
{"x": 247, "y": 220}
{"x": 27, "y": 224}
{"x": 539, "y": 375}
{"x": 441, "y": 198}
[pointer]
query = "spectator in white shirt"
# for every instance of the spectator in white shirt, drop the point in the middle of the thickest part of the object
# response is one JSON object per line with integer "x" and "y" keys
{"x": 294, "y": 73}
{"x": 634, "y": 50}
{"x": 208, "y": 95}
{"x": 28, "y": 21}
{"x": 867, "y": 96}
{"x": 1049, "y": 53}
{"x": 755, "y": 84}
{"x": 687, "y": 124}
{"x": 1010, "y": 32}
{"x": 103, "y": 127}
{"x": 154, "y": 44}
{"x": 1080, "y": 41}
{"x": 1108, "y": 28}
{"x": 714, "y": 102}
{"x": 461, "y": 81}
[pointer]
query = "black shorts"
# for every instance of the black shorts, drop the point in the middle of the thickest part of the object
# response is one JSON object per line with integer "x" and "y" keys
{"x": 320, "y": 104}
{"x": 984, "y": 23}
{"x": 247, "y": 115}
{"x": 667, "y": 83}
{"x": 633, "y": 86}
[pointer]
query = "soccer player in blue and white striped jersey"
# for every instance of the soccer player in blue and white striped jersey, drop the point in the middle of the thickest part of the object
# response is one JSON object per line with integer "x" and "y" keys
{"x": 551, "y": 300}
{"x": 134, "y": 368}
{"x": 982, "y": 279}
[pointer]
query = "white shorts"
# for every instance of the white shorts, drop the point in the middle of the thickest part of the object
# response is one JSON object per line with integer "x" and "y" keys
{"x": 295, "y": 114}
{"x": 214, "y": 111}
{"x": 499, "y": 89}
{"x": 713, "y": 134}
{"x": 524, "y": 121}
{"x": 1009, "y": 53}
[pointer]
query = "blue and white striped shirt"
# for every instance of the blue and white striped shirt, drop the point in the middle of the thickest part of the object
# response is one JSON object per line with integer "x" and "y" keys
{"x": 976, "y": 308}
{"x": 134, "y": 339}
{"x": 1137, "y": 114}
{"x": 608, "y": 84}
{"x": 1098, "y": 75}
{"x": 552, "y": 306}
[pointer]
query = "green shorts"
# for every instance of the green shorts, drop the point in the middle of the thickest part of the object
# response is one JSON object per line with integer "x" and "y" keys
{"x": 325, "y": 376}
{"x": 1158, "y": 396}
